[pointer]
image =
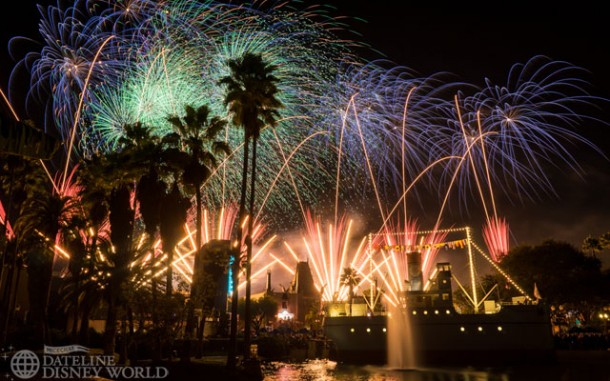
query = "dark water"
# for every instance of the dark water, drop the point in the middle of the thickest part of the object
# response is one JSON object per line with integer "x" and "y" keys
{"x": 583, "y": 367}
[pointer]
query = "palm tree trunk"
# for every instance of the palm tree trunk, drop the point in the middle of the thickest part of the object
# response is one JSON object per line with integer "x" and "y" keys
{"x": 111, "y": 319}
{"x": 236, "y": 259}
{"x": 76, "y": 305}
{"x": 156, "y": 352}
{"x": 39, "y": 281}
{"x": 248, "y": 315}
{"x": 84, "y": 324}
{"x": 131, "y": 354}
{"x": 122, "y": 218}
{"x": 123, "y": 343}
{"x": 12, "y": 301}
{"x": 200, "y": 329}
{"x": 351, "y": 299}
{"x": 48, "y": 276}
{"x": 87, "y": 304}
{"x": 170, "y": 273}
{"x": 14, "y": 298}
{"x": 153, "y": 285}
{"x": 190, "y": 314}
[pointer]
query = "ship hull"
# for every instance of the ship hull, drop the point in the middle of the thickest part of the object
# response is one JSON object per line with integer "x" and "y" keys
{"x": 357, "y": 339}
{"x": 520, "y": 333}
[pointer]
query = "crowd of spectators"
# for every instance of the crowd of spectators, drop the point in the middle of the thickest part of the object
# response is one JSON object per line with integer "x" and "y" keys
{"x": 572, "y": 330}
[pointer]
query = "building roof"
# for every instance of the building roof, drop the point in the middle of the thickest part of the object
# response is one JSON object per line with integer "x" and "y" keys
{"x": 303, "y": 281}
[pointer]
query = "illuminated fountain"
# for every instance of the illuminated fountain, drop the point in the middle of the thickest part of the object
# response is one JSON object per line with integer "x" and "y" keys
{"x": 401, "y": 335}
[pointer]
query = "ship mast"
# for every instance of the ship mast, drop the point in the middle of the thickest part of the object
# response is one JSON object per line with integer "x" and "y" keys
{"x": 473, "y": 281}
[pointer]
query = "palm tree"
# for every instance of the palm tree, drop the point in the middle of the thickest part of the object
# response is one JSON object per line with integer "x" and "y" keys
{"x": 150, "y": 158}
{"x": 350, "y": 279}
{"x": 81, "y": 294}
{"x": 174, "y": 210}
{"x": 95, "y": 211}
{"x": 112, "y": 178}
{"x": 20, "y": 142}
{"x": 45, "y": 215}
{"x": 195, "y": 134}
{"x": 592, "y": 245}
{"x": 251, "y": 100}
{"x": 154, "y": 165}
{"x": 13, "y": 173}
{"x": 151, "y": 188}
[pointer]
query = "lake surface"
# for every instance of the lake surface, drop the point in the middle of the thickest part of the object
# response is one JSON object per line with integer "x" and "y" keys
{"x": 573, "y": 367}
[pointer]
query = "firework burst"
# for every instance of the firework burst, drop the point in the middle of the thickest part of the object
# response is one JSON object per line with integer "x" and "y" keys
{"x": 510, "y": 134}
{"x": 328, "y": 249}
{"x": 496, "y": 234}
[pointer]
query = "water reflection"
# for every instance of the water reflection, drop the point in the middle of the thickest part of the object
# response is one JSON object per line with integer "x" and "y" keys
{"x": 324, "y": 370}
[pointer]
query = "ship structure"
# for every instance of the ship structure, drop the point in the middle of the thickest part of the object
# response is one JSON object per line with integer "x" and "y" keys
{"x": 427, "y": 327}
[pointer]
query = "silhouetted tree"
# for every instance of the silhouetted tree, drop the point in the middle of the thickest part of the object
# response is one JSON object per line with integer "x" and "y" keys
{"x": 561, "y": 272}
{"x": 252, "y": 101}
{"x": 350, "y": 279}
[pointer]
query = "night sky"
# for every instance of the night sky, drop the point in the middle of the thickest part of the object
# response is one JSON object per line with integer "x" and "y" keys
{"x": 475, "y": 43}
